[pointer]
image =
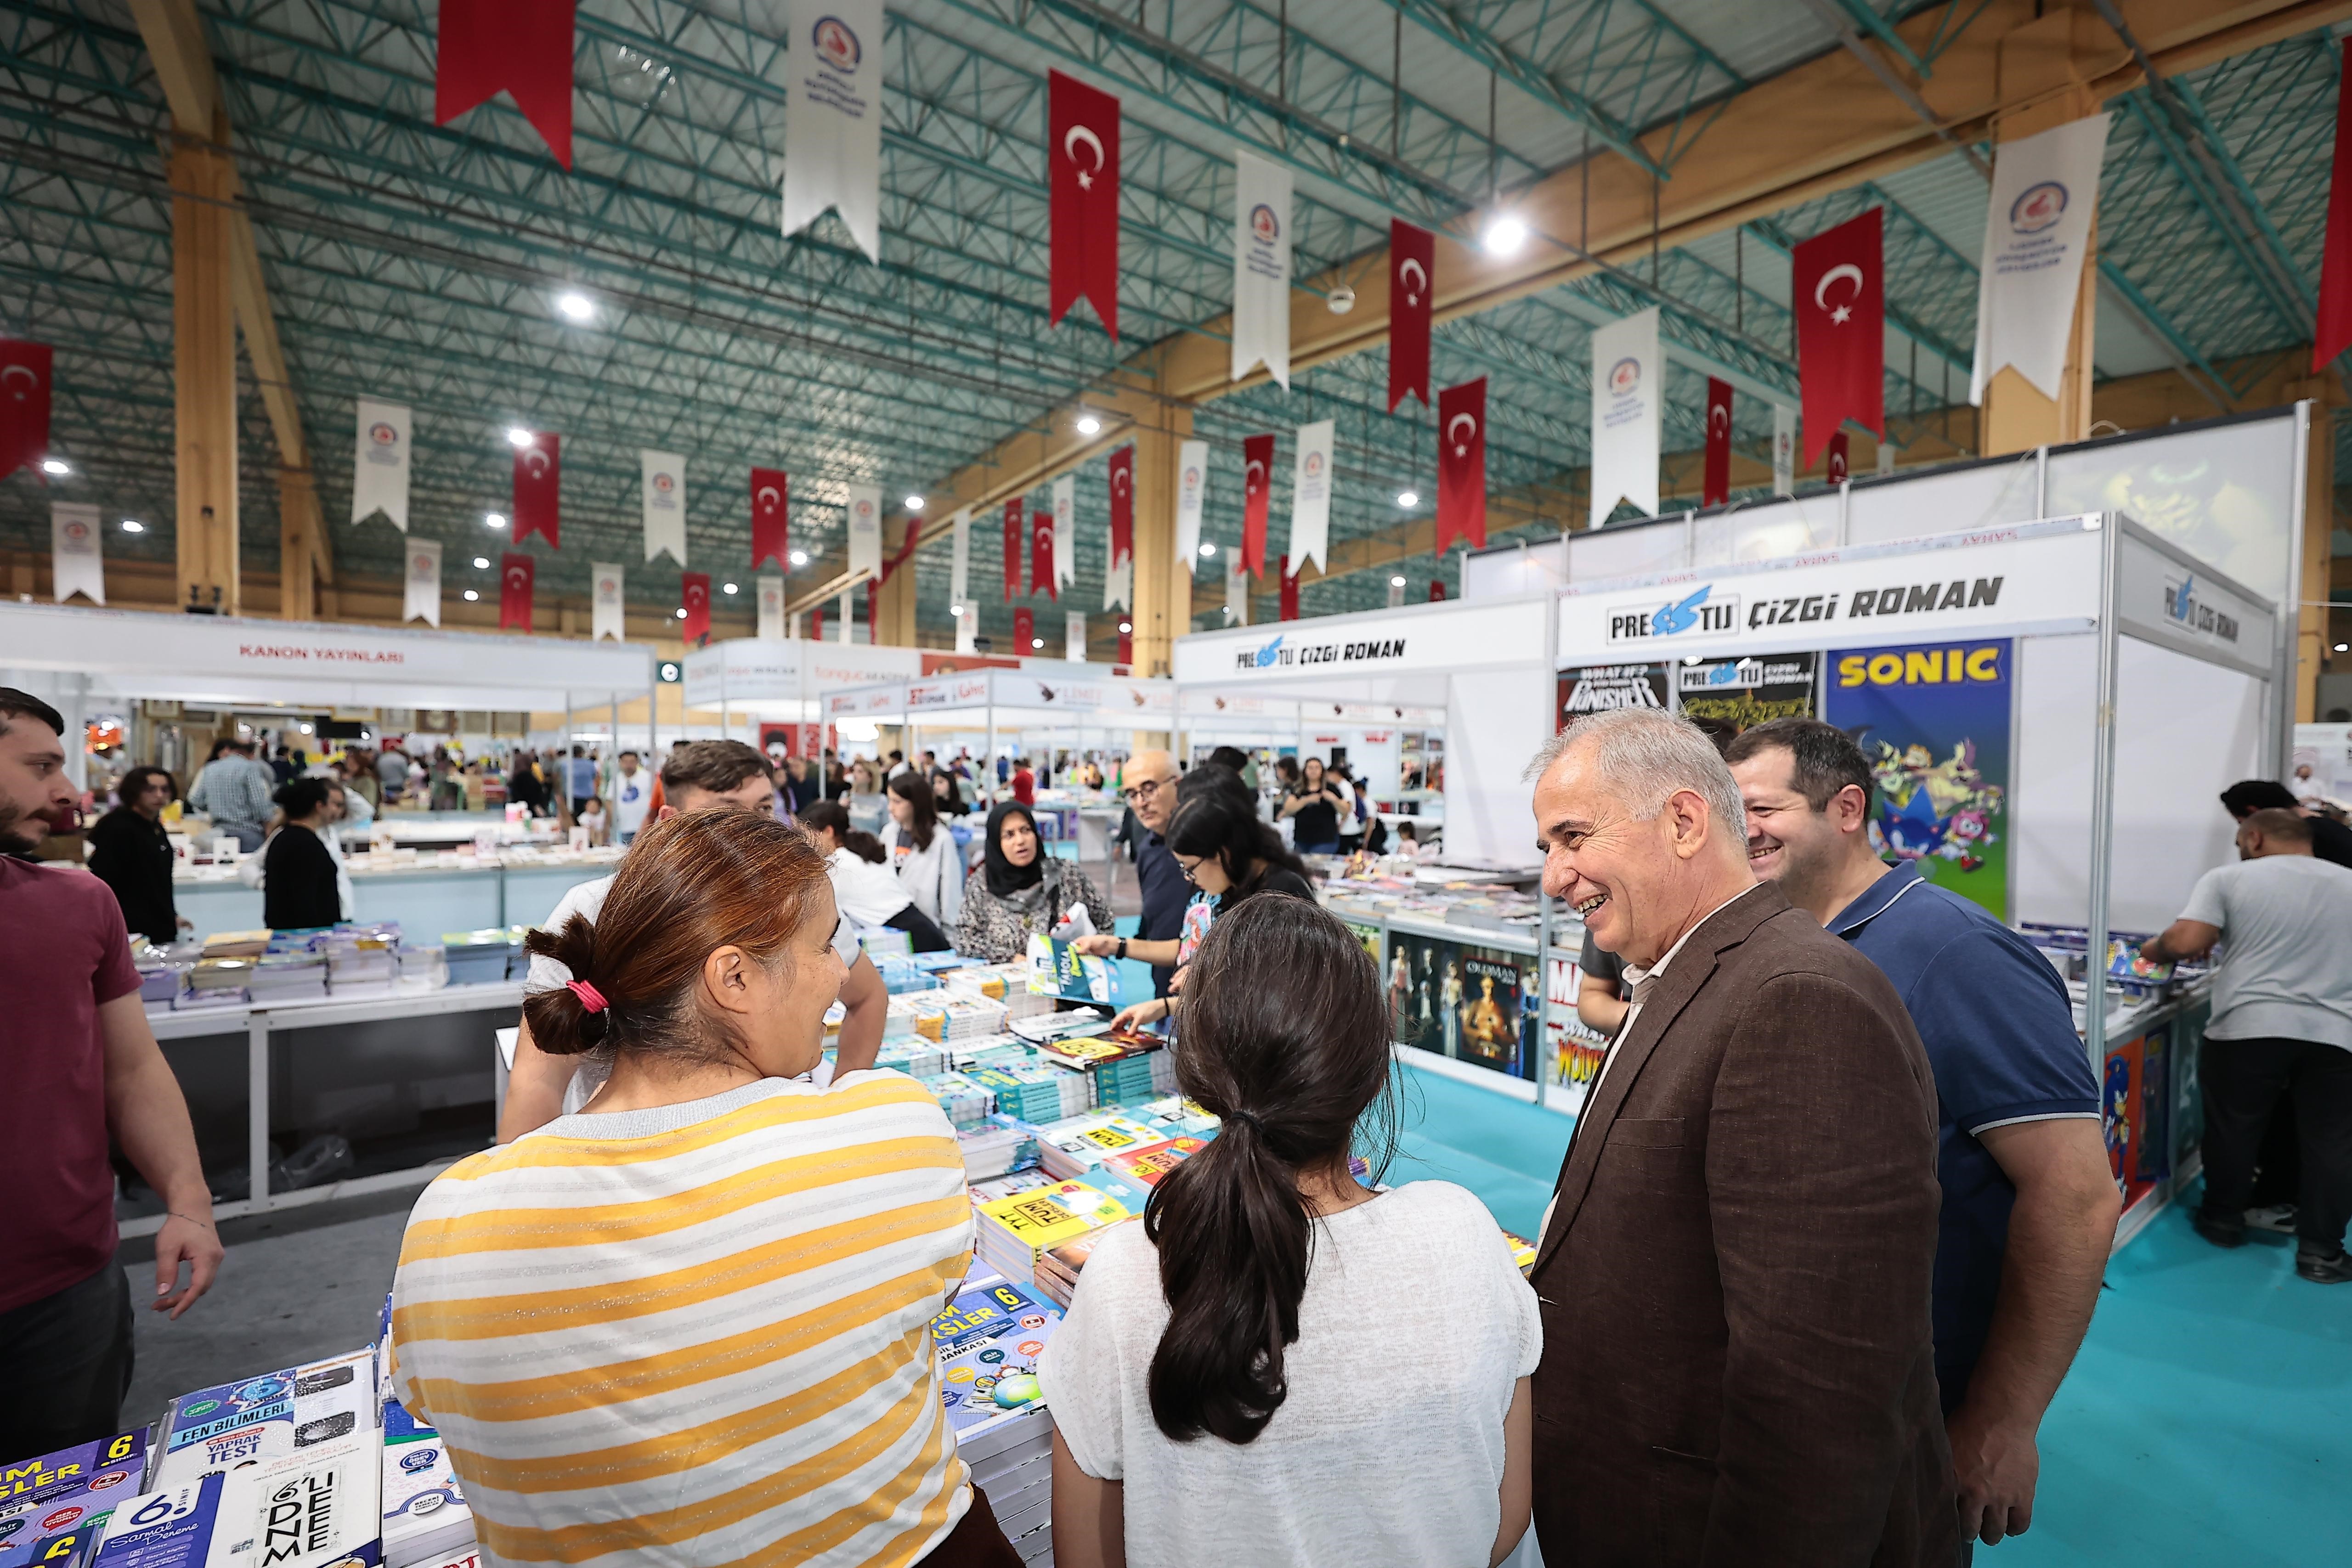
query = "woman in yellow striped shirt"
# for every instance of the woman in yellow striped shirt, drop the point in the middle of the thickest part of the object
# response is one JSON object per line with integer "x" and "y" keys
{"x": 689, "y": 1324}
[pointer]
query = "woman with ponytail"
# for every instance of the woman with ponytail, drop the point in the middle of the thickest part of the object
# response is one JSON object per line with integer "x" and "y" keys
{"x": 1279, "y": 1364}
{"x": 689, "y": 1323}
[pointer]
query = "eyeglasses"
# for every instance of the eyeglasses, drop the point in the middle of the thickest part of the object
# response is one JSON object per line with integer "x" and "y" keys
{"x": 1143, "y": 792}
{"x": 1187, "y": 867}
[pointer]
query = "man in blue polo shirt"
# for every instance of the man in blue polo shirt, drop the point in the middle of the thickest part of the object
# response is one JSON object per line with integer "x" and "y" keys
{"x": 2030, "y": 1206}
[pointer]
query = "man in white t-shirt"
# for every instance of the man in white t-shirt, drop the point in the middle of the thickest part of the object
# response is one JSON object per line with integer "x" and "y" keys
{"x": 2281, "y": 1024}
{"x": 633, "y": 793}
{"x": 702, "y": 776}
{"x": 2305, "y": 788}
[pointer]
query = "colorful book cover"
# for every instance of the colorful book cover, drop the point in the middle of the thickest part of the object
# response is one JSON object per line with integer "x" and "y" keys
{"x": 100, "y": 1467}
{"x": 1096, "y": 1138}
{"x": 424, "y": 1512}
{"x": 1146, "y": 1166}
{"x": 1523, "y": 1251}
{"x": 205, "y": 1522}
{"x": 1489, "y": 1025}
{"x": 1056, "y": 968}
{"x": 268, "y": 1418}
{"x": 1050, "y": 1216}
{"x": 995, "y": 1376}
{"x": 984, "y": 1311}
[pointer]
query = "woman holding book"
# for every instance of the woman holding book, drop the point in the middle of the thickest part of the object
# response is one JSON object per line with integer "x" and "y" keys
{"x": 1020, "y": 890}
{"x": 690, "y": 1323}
{"x": 1279, "y": 1364}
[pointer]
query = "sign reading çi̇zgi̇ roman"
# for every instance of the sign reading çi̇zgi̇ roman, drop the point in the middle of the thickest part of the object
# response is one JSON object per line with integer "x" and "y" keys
{"x": 1424, "y": 640}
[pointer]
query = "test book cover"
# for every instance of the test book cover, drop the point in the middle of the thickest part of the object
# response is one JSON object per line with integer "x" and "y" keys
{"x": 104, "y": 1465}
{"x": 1049, "y": 1215}
{"x": 270, "y": 1418}
{"x": 995, "y": 1376}
{"x": 984, "y": 1311}
{"x": 1147, "y": 1166}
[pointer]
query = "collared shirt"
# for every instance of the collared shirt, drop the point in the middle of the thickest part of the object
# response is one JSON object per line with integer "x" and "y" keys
{"x": 232, "y": 792}
{"x": 2000, "y": 1040}
{"x": 1165, "y": 894}
{"x": 1633, "y": 977}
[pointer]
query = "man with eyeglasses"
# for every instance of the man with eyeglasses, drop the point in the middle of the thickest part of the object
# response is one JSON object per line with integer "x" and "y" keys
{"x": 1149, "y": 788}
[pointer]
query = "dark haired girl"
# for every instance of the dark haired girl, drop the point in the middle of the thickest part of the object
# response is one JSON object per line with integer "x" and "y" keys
{"x": 298, "y": 887}
{"x": 132, "y": 853}
{"x": 1279, "y": 1364}
{"x": 918, "y": 848}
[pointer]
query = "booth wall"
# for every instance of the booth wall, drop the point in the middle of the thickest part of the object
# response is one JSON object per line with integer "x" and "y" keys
{"x": 1494, "y": 723}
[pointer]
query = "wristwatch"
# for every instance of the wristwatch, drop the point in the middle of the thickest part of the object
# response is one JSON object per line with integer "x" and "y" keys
{"x": 1122, "y": 946}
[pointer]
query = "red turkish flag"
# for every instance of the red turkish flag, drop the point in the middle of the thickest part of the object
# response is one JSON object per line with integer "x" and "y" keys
{"x": 25, "y": 372}
{"x": 539, "y": 488}
{"x": 1024, "y": 632}
{"x": 906, "y": 551}
{"x": 1716, "y": 487}
{"x": 521, "y": 45}
{"x": 771, "y": 537}
{"x": 1413, "y": 262}
{"x": 1437, "y": 592}
{"x": 1839, "y": 298}
{"x": 694, "y": 597}
{"x": 1122, "y": 504}
{"x": 1838, "y": 458}
{"x": 1462, "y": 465}
{"x": 1015, "y": 511}
{"x": 1041, "y": 554}
{"x": 2334, "y": 329}
{"x": 1257, "y": 469}
{"x": 515, "y": 573}
{"x": 1289, "y": 592}
{"x": 816, "y": 624}
{"x": 1082, "y": 153}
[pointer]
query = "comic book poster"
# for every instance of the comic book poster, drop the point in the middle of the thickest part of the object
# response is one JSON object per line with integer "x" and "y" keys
{"x": 2133, "y": 1154}
{"x": 1424, "y": 982}
{"x": 1934, "y": 722}
{"x": 1598, "y": 688}
{"x": 1369, "y": 935}
{"x": 2187, "y": 1124}
{"x": 1740, "y": 694}
{"x": 1488, "y": 1028}
{"x": 1572, "y": 1052}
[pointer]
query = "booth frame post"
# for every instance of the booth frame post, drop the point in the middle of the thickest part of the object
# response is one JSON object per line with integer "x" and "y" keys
{"x": 2103, "y": 802}
{"x": 726, "y": 726}
{"x": 2285, "y": 685}
{"x": 563, "y": 764}
{"x": 613, "y": 786}
{"x": 256, "y": 1121}
{"x": 988, "y": 766}
{"x": 1550, "y": 700}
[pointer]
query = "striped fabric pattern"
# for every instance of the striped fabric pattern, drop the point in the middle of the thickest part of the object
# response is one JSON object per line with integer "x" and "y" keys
{"x": 697, "y": 1334}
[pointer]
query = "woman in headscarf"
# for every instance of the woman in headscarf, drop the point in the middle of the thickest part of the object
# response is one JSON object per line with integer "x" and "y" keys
{"x": 1020, "y": 890}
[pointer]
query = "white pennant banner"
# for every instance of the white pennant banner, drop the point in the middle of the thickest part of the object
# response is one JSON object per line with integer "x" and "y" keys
{"x": 865, "y": 534}
{"x": 422, "y": 595}
{"x": 845, "y": 616}
{"x": 771, "y": 608}
{"x": 1261, "y": 267}
{"x": 380, "y": 464}
{"x": 959, "y": 555}
{"x": 665, "y": 504}
{"x": 1784, "y": 450}
{"x": 1073, "y": 636}
{"x": 1627, "y": 378}
{"x": 1310, "y": 495}
{"x": 1236, "y": 591}
{"x": 1118, "y": 581}
{"x": 1192, "y": 490}
{"x": 2045, "y": 191}
{"x": 968, "y": 627}
{"x": 607, "y": 605}
{"x": 833, "y": 118}
{"x": 1065, "y": 530}
{"x": 74, "y": 563}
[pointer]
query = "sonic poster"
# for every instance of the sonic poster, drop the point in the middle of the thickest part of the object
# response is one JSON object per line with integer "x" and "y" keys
{"x": 1934, "y": 723}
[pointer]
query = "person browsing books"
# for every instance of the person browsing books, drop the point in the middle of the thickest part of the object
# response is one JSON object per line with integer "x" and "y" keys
{"x": 1314, "y": 805}
{"x": 298, "y": 888}
{"x": 868, "y": 893}
{"x": 709, "y": 1289}
{"x": 1228, "y": 1385}
{"x": 1020, "y": 890}
{"x": 920, "y": 851}
{"x": 132, "y": 853}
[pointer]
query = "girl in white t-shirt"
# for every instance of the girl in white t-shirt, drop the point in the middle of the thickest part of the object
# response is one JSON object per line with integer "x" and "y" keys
{"x": 1277, "y": 1365}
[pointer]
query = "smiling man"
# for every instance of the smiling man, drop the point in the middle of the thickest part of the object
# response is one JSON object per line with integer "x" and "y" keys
{"x": 1737, "y": 1363}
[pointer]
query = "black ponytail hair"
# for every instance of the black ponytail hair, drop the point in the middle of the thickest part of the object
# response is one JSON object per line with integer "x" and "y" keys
{"x": 833, "y": 816}
{"x": 301, "y": 796}
{"x": 1286, "y": 1038}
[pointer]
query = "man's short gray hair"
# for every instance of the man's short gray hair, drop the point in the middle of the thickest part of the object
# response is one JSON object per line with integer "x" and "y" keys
{"x": 1645, "y": 755}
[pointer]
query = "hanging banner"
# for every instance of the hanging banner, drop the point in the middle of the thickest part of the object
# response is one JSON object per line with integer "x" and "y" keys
{"x": 1784, "y": 450}
{"x": 1286, "y": 595}
{"x": 1119, "y": 584}
{"x": 1888, "y": 453}
{"x": 516, "y": 571}
{"x": 873, "y": 610}
{"x": 1073, "y": 636}
{"x": 771, "y": 537}
{"x": 1413, "y": 262}
{"x": 1192, "y": 493}
{"x": 74, "y": 563}
{"x": 1437, "y": 592}
{"x": 694, "y": 597}
{"x": 1016, "y": 536}
{"x": 1237, "y": 606}
{"x": 1600, "y": 688}
{"x": 2334, "y": 328}
{"x": 1734, "y": 695}
{"x": 664, "y": 477}
{"x": 1261, "y": 269}
{"x": 1122, "y": 504}
{"x": 967, "y": 628}
{"x": 421, "y": 591}
{"x": 959, "y": 555}
{"x": 1837, "y": 470}
{"x": 379, "y": 465}
{"x": 1461, "y": 463}
{"x": 1041, "y": 554}
{"x": 521, "y": 47}
{"x": 1628, "y": 377}
{"x": 1082, "y": 162}
{"x": 816, "y": 623}
{"x": 833, "y": 118}
{"x": 865, "y": 517}
{"x": 1310, "y": 494}
{"x": 1716, "y": 487}
{"x": 1838, "y": 292}
{"x": 1257, "y": 474}
{"x": 771, "y": 608}
{"x": 1024, "y": 632}
{"x": 1126, "y": 643}
{"x": 1934, "y": 724}
{"x": 847, "y": 617}
{"x": 2045, "y": 193}
{"x": 26, "y": 370}
{"x": 539, "y": 488}
{"x": 1065, "y": 531}
{"x": 607, "y": 606}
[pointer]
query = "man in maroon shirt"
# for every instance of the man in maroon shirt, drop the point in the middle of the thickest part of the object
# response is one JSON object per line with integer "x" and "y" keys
{"x": 82, "y": 1067}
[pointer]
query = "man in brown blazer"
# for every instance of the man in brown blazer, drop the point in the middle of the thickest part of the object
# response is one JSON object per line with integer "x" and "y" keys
{"x": 1738, "y": 1367}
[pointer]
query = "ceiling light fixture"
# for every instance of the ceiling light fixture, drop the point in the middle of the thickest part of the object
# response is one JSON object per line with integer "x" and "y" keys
{"x": 577, "y": 306}
{"x": 1126, "y": 627}
{"x": 726, "y": 588}
{"x": 681, "y": 613}
{"x": 56, "y": 465}
{"x": 133, "y": 526}
{"x": 1208, "y": 547}
{"x": 1396, "y": 582}
{"x": 1036, "y": 641}
{"x": 1506, "y": 232}
{"x": 1089, "y": 425}
{"x": 471, "y": 596}
{"x": 913, "y": 502}
{"x": 1408, "y": 499}
{"x": 518, "y": 436}
{"x": 494, "y": 519}
{"x": 956, "y": 610}
{"x": 481, "y": 563}
{"x": 800, "y": 558}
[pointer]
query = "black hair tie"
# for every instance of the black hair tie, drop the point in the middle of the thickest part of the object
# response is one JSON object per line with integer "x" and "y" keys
{"x": 1248, "y": 1119}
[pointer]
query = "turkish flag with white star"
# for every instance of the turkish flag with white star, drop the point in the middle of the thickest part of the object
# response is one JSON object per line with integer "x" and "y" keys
{"x": 1287, "y": 599}
{"x": 24, "y": 372}
{"x": 523, "y": 47}
{"x": 1257, "y": 470}
{"x": 1041, "y": 554}
{"x": 1839, "y": 461}
{"x": 515, "y": 573}
{"x": 1016, "y": 511}
{"x": 771, "y": 518}
{"x": 1716, "y": 488}
{"x": 1122, "y": 505}
{"x": 694, "y": 597}
{"x": 1839, "y": 294}
{"x": 1462, "y": 465}
{"x": 539, "y": 488}
{"x": 1413, "y": 262}
{"x": 1082, "y": 153}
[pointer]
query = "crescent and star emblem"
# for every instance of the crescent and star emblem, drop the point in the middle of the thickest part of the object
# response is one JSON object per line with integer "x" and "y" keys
{"x": 768, "y": 496}
{"x": 1840, "y": 314}
{"x": 1254, "y": 474}
{"x": 1718, "y": 418}
{"x": 1079, "y": 136}
{"x": 517, "y": 577}
{"x": 535, "y": 461}
{"x": 1414, "y": 276}
{"x": 1121, "y": 479}
{"x": 1461, "y": 442}
{"x": 32, "y": 380}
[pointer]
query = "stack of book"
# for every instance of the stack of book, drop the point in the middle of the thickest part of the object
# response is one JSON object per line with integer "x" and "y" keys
{"x": 996, "y": 1146}
{"x": 216, "y": 983}
{"x": 363, "y": 960}
{"x": 915, "y": 1057}
{"x": 988, "y": 1341}
{"x": 950, "y": 1018}
{"x": 476, "y": 958}
{"x": 965, "y": 1102}
{"x": 1058, "y": 1270}
{"x": 1147, "y": 1165}
{"x": 1125, "y": 1080}
{"x": 1072, "y": 1147}
{"x": 1013, "y": 1233}
{"x": 424, "y": 1514}
{"x": 286, "y": 977}
{"x": 54, "y": 1508}
{"x": 237, "y": 943}
{"x": 1172, "y": 1113}
{"x": 1035, "y": 1091}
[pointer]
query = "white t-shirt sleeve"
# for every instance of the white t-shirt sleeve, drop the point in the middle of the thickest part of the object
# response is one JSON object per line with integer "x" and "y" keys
{"x": 2209, "y": 900}
{"x": 1079, "y": 1369}
{"x": 844, "y": 942}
